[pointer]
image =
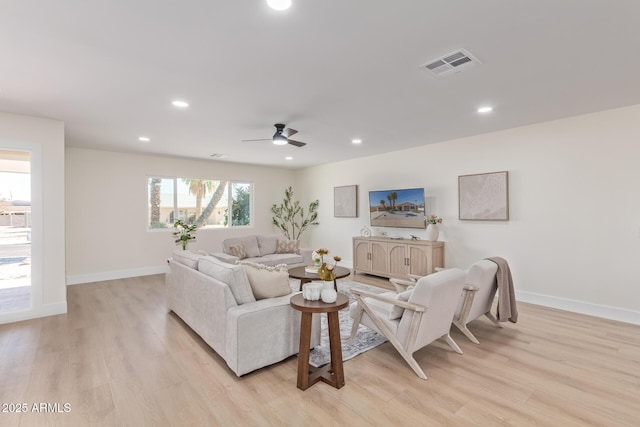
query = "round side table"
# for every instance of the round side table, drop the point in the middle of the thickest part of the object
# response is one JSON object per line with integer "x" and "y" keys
{"x": 332, "y": 373}
{"x": 301, "y": 273}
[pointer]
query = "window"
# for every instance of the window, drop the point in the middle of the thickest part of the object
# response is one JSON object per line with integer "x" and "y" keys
{"x": 198, "y": 201}
{"x": 240, "y": 204}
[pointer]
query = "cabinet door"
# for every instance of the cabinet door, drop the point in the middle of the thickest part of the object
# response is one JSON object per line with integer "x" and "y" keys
{"x": 379, "y": 258}
{"x": 419, "y": 260}
{"x": 398, "y": 259}
{"x": 361, "y": 261}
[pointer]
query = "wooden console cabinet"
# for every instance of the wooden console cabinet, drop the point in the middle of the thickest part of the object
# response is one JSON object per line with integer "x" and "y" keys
{"x": 382, "y": 256}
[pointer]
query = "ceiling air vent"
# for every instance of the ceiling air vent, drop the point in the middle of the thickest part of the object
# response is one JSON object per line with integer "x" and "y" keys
{"x": 450, "y": 63}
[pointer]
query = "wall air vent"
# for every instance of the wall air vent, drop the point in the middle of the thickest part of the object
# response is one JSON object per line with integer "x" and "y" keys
{"x": 451, "y": 63}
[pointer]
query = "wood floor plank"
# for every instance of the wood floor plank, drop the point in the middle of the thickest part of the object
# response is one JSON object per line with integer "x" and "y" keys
{"x": 133, "y": 402}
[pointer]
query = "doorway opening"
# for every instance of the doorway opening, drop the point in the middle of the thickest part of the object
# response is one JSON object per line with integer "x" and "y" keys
{"x": 15, "y": 230}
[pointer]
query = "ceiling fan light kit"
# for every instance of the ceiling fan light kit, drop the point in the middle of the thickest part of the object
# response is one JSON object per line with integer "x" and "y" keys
{"x": 279, "y": 4}
{"x": 281, "y": 137}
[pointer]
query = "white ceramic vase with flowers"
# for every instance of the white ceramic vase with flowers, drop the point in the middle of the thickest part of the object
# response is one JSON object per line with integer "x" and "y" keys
{"x": 328, "y": 275}
{"x": 433, "y": 231}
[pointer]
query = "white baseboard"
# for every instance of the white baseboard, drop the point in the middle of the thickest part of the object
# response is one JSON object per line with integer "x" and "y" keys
{"x": 42, "y": 311}
{"x": 606, "y": 312}
{"x": 114, "y": 275}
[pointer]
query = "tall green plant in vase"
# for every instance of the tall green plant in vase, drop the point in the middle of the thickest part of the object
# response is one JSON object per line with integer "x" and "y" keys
{"x": 290, "y": 217}
{"x": 183, "y": 233}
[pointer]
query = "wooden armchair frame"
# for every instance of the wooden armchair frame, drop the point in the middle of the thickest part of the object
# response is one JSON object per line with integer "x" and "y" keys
{"x": 406, "y": 351}
{"x": 469, "y": 293}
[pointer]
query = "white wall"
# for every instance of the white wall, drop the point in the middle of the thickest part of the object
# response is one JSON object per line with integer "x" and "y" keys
{"x": 44, "y": 138}
{"x": 573, "y": 238}
{"x": 107, "y": 201}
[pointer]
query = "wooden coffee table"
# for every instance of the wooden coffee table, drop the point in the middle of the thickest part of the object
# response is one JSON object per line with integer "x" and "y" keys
{"x": 332, "y": 373}
{"x": 304, "y": 277}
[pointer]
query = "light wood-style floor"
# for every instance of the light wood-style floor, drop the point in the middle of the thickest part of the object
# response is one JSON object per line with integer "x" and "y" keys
{"x": 118, "y": 358}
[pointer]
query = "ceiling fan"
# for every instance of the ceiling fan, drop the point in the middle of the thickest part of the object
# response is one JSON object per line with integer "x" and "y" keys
{"x": 281, "y": 137}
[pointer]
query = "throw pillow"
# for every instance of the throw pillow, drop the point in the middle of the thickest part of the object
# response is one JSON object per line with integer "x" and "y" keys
{"x": 239, "y": 250}
{"x": 396, "y": 310}
{"x": 249, "y": 242}
{"x": 287, "y": 247}
{"x": 265, "y": 281}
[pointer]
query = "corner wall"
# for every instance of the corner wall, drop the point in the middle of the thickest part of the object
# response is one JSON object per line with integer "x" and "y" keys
{"x": 44, "y": 138}
{"x": 573, "y": 238}
{"x": 107, "y": 236}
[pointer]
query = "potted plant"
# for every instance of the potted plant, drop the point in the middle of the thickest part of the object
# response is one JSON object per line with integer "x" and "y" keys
{"x": 290, "y": 217}
{"x": 184, "y": 233}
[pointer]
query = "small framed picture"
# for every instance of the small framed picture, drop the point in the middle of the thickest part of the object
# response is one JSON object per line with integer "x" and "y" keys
{"x": 345, "y": 201}
{"x": 484, "y": 197}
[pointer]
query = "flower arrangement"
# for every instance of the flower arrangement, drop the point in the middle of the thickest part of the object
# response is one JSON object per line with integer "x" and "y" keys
{"x": 183, "y": 233}
{"x": 433, "y": 219}
{"x": 326, "y": 270}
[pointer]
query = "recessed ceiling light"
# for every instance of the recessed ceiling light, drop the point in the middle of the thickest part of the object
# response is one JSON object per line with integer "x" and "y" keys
{"x": 279, "y": 4}
{"x": 288, "y": 158}
{"x": 485, "y": 109}
{"x": 180, "y": 104}
{"x": 144, "y": 139}
{"x": 356, "y": 141}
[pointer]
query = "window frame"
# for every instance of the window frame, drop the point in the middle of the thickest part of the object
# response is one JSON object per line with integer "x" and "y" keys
{"x": 230, "y": 199}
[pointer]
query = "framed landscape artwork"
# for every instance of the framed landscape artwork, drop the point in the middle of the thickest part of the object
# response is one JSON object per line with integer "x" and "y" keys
{"x": 345, "y": 201}
{"x": 484, "y": 197}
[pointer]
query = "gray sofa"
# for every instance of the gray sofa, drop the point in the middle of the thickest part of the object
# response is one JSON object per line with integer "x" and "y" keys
{"x": 211, "y": 297}
{"x": 263, "y": 249}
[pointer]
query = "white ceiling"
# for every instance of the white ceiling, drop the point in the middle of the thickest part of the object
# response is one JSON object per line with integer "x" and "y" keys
{"x": 331, "y": 69}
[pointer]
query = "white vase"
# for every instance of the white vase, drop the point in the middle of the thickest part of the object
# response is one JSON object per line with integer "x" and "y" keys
{"x": 432, "y": 232}
{"x": 329, "y": 295}
{"x": 327, "y": 285}
{"x": 312, "y": 291}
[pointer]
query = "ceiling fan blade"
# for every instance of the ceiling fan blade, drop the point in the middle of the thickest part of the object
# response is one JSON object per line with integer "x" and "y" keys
{"x": 296, "y": 143}
{"x": 289, "y": 132}
{"x": 254, "y": 140}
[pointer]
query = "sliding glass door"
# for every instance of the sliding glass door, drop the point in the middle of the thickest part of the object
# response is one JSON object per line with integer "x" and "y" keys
{"x": 15, "y": 230}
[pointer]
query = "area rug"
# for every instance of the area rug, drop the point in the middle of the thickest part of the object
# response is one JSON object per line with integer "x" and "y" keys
{"x": 366, "y": 339}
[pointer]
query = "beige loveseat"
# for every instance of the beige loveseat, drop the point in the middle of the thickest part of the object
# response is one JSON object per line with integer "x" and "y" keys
{"x": 216, "y": 300}
{"x": 268, "y": 249}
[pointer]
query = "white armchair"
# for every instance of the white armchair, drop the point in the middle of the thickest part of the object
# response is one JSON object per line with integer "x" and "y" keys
{"x": 477, "y": 297}
{"x": 414, "y": 318}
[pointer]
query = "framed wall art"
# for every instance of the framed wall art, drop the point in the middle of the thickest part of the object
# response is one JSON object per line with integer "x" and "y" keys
{"x": 484, "y": 197}
{"x": 345, "y": 201}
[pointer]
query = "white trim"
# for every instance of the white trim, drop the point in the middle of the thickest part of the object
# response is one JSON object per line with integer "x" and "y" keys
{"x": 597, "y": 310}
{"x": 33, "y": 313}
{"x": 114, "y": 275}
{"x": 36, "y": 307}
